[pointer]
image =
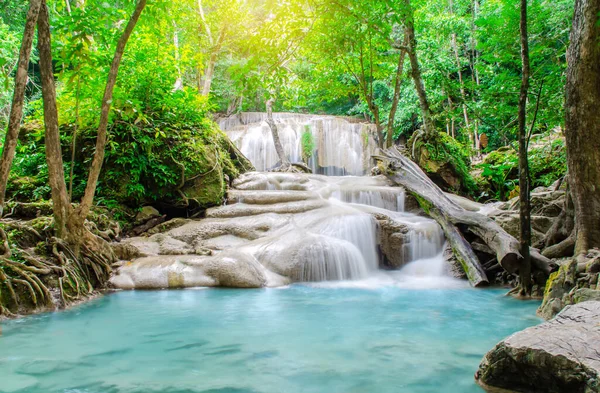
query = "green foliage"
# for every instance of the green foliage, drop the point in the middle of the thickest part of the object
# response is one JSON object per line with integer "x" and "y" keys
{"x": 147, "y": 156}
{"x": 9, "y": 45}
{"x": 308, "y": 144}
{"x": 499, "y": 171}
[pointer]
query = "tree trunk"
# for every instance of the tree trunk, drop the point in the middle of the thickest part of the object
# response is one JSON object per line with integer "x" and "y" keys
{"x": 16, "y": 110}
{"x": 208, "y": 74}
{"x": 428, "y": 125}
{"x": 524, "y": 209}
{"x": 285, "y": 163}
{"x": 88, "y": 198}
{"x": 460, "y": 80}
{"x": 462, "y": 250}
{"x": 389, "y": 141}
{"x": 406, "y": 173}
{"x": 582, "y": 123}
{"x": 61, "y": 204}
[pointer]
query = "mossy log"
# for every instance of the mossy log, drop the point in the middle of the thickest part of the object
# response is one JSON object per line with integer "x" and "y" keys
{"x": 404, "y": 172}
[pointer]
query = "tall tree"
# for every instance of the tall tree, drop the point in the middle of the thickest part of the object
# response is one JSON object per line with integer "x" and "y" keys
{"x": 582, "y": 122}
{"x": 216, "y": 42}
{"x": 16, "y": 110}
{"x": 409, "y": 22}
{"x": 524, "y": 210}
{"x": 69, "y": 222}
{"x": 389, "y": 138}
{"x": 285, "y": 163}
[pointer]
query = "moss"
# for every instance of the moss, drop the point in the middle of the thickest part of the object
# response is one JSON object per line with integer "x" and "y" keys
{"x": 550, "y": 282}
{"x": 445, "y": 153}
{"x": 144, "y": 163}
{"x": 423, "y": 203}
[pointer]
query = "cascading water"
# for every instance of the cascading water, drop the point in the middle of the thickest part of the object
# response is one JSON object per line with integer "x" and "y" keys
{"x": 343, "y": 245}
{"x": 279, "y": 228}
{"x": 340, "y": 146}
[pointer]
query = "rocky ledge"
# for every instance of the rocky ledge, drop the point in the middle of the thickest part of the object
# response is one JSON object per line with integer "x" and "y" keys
{"x": 558, "y": 356}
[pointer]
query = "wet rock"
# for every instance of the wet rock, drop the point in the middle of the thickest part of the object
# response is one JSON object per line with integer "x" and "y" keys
{"x": 228, "y": 270}
{"x": 558, "y": 356}
{"x": 283, "y": 227}
{"x": 244, "y": 210}
{"x": 392, "y": 237}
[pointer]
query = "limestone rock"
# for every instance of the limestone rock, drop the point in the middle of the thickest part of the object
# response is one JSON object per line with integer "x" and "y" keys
{"x": 228, "y": 270}
{"x": 126, "y": 251}
{"x": 558, "y": 356}
{"x": 279, "y": 228}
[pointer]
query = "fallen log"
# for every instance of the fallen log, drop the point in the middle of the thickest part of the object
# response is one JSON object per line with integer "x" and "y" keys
{"x": 406, "y": 173}
{"x": 462, "y": 250}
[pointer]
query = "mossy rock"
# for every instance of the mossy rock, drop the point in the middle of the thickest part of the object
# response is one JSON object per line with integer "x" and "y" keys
{"x": 446, "y": 162}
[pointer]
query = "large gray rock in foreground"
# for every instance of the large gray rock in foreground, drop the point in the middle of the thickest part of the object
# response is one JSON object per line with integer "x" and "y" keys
{"x": 558, "y": 356}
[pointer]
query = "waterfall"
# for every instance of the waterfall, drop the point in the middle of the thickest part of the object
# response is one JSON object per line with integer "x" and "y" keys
{"x": 339, "y": 245}
{"x": 341, "y": 146}
{"x": 279, "y": 228}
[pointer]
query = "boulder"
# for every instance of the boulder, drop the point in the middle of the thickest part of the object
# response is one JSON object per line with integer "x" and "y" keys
{"x": 558, "y": 356}
{"x": 392, "y": 236}
{"x": 510, "y": 221}
{"x": 146, "y": 214}
{"x": 230, "y": 269}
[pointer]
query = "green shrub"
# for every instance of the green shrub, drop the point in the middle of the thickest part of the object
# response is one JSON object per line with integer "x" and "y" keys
{"x": 500, "y": 169}
{"x": 308, "y": 144}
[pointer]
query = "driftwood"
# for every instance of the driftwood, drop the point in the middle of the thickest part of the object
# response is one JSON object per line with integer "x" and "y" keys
{"x": 406, "y": 173}
{"x": 462, "y": 250}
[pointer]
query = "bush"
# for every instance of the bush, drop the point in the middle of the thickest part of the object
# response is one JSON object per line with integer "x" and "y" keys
{"x": 500, "y": 169}
{"x": 148, "y": 154}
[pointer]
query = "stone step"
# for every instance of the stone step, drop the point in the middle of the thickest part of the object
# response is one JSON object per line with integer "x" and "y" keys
{"x": 253, "y": 197}
{"x": 244, "y": 210}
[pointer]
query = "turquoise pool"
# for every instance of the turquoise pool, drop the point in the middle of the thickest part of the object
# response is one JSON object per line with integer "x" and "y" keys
{"x": 302, "y": 338}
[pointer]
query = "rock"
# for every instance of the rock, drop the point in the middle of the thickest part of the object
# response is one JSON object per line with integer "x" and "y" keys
{"x": 545, "y": 201}
{"x": 558, "y": 286}
{"x": 558, "y": 356}
{"x": 151, "y": 223}
{"x": 166, "y": 226}
{"x": 146, "y": 214}
{"x": 282, "y": 227}
{"x": 392, "y": 237}
{"x": 126, "y": 251}
{"x": 585, "y": 294}
{"x": 230, "y": 269}
{"x": 510, "y": 221}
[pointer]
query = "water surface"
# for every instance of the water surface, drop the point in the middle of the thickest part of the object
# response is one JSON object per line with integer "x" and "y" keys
{"x": 309, "y": 339}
